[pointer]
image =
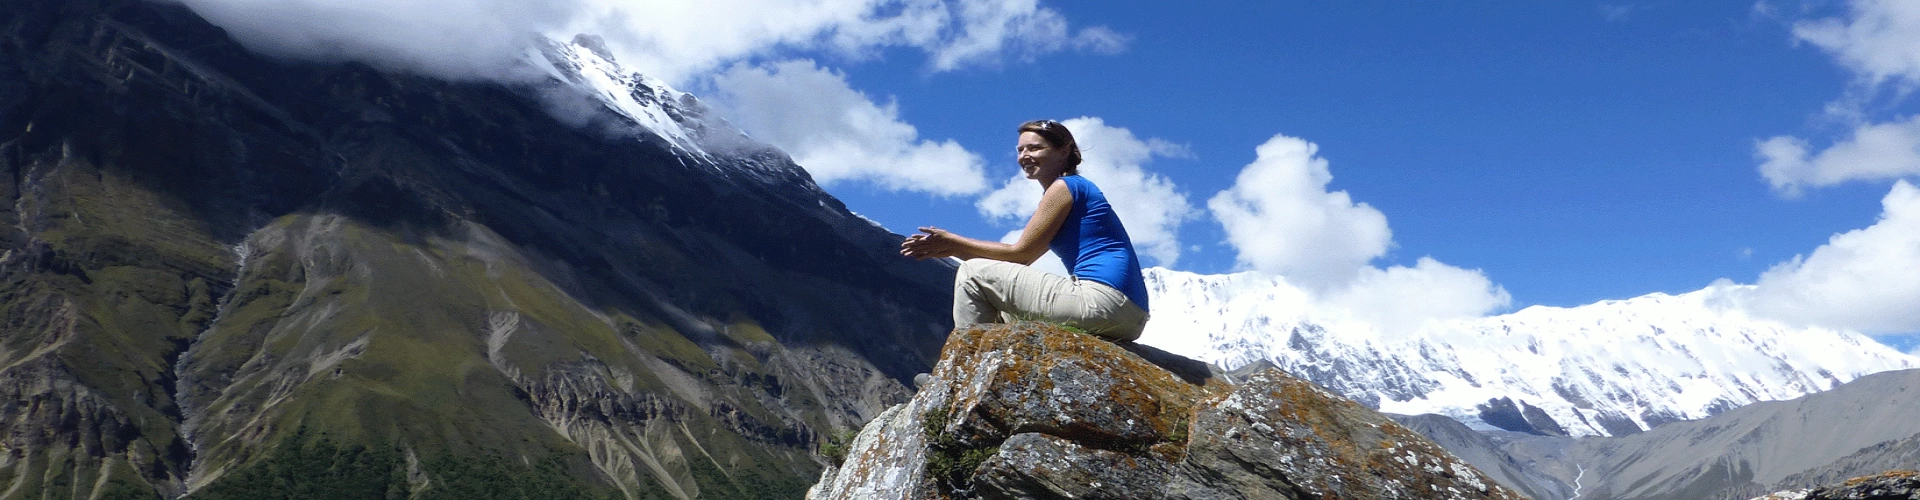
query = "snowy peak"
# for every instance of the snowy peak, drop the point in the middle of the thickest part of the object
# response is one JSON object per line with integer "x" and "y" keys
{"x": 648, "y": 104}
{"x": 583, "y": 85}
{"x": 1608, "y": 368}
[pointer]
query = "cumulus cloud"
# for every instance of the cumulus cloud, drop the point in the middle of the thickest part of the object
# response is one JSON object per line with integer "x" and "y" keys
{"x": 1874, "y": 152}
{"x": 676, "y": 41}
{"x": 1281, "y": 219}
{"x": 1865, "y": 279}
{"x": 839, "y": 134}
{"x": 1401, "y": 299}
{"x": 1150, "y": 205}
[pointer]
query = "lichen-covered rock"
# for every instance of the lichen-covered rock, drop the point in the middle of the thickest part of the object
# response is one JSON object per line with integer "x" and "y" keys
{"x": 1002, "y": 380}
{"x": 1031, "y": 410}
{"x": 1325, "y": 446}
{"x": 1034, "y": 464}
{"x": 1890, "y": 485}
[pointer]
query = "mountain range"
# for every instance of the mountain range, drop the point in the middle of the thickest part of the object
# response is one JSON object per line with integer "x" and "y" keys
{"x": 1610, "y": 368}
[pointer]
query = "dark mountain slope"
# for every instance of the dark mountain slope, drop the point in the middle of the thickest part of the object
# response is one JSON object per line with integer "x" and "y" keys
{"x": 213, "y": 263}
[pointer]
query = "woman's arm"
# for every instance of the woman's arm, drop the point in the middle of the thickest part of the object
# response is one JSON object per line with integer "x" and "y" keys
{"x": 934, "y": 242}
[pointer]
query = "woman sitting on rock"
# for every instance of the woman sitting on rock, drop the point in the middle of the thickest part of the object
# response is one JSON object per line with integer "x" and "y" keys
{"x": 1106, "y": 295}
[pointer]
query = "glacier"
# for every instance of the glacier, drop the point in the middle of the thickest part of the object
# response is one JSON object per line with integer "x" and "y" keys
{"x": 1608, "y": 368}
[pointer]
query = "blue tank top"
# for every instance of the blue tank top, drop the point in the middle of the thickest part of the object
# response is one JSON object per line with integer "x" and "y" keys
{"x": 1094, "y": 246}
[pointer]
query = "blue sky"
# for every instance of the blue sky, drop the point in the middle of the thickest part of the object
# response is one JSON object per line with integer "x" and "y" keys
{"x": 1571, "y": 154}
{"x": 1485, "y": 156}
{"x": 1569, "y": 151}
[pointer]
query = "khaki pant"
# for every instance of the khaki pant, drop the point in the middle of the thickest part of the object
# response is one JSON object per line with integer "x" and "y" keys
{"x": 991, "y": 291}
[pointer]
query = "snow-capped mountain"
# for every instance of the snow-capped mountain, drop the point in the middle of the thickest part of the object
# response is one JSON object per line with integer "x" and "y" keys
{"x": 648, "y": 104}
{"x": 1608, "y": 368}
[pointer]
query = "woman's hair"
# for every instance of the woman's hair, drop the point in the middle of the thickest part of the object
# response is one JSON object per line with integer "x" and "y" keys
{"x": 1057, "y": 136}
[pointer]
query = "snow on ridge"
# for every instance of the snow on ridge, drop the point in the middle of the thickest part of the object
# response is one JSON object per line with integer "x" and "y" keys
{"x": 649, "y": 102}
{"x": 1594, "y": 369}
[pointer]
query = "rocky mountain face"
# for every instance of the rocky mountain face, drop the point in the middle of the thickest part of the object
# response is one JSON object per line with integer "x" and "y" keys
{"x": 232, "y": 277}
{"x": 1611, "y": 368}
{"x": 1891, "y": 485}
{"x": 1859, "y": 428}
{"x": 1031, "y": 410}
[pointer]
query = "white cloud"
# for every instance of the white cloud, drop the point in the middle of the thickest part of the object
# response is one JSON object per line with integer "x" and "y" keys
{"x": 839, "y": 134}
{"x": 1874, "y": 152}
{"x": 676, "y": 41}
{"x": 1401, "y": 299}
{"x": 1865, "y": 279}
{"x": 990, "y": 25}
{"x": 1879, "y": 40}
{"x": 462, "y": 40}
{"x": 1282, "y": 220}
{"x": 1150, "y": 205}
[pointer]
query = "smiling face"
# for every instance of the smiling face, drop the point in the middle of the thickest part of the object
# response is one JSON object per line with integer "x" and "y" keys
{"x": 1039, "y": 159}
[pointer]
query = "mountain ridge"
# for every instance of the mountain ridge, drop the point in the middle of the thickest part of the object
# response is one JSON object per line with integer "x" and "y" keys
{"x": 1608, "y": 368}
{"x": 218, "y": 264}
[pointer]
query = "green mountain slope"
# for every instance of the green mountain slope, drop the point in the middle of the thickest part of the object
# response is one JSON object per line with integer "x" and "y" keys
{"x": 231, "y": 277}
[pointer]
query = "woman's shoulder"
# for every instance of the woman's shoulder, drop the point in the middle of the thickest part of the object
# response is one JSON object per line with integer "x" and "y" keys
{"x": 1082, "y": 185}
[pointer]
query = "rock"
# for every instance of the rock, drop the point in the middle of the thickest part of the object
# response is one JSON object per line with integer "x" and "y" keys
{"x": 1031, "y": 410}
{"x": 1890, "y": 485}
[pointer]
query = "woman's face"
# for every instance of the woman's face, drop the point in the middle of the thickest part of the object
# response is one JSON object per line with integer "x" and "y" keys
{"x": 1038, "y": 158}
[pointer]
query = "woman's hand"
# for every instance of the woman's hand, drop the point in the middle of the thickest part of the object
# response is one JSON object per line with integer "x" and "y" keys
{"x": 932, "y": 243}
{"x": 936, "y": 243}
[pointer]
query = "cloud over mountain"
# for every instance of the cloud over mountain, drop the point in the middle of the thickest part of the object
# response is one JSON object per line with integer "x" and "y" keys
{"x": 675, "y": 41}
{"x": 841, "y": 134}
{"x": 1863, "y": 279}
{"x": 1282, "y": 220}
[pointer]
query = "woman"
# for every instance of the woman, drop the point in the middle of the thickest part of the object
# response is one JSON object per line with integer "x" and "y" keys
{"x": 1106, "y": 295}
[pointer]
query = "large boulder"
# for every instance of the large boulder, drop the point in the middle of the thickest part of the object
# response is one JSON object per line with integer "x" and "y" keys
{"x": 1032, "y": 410}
